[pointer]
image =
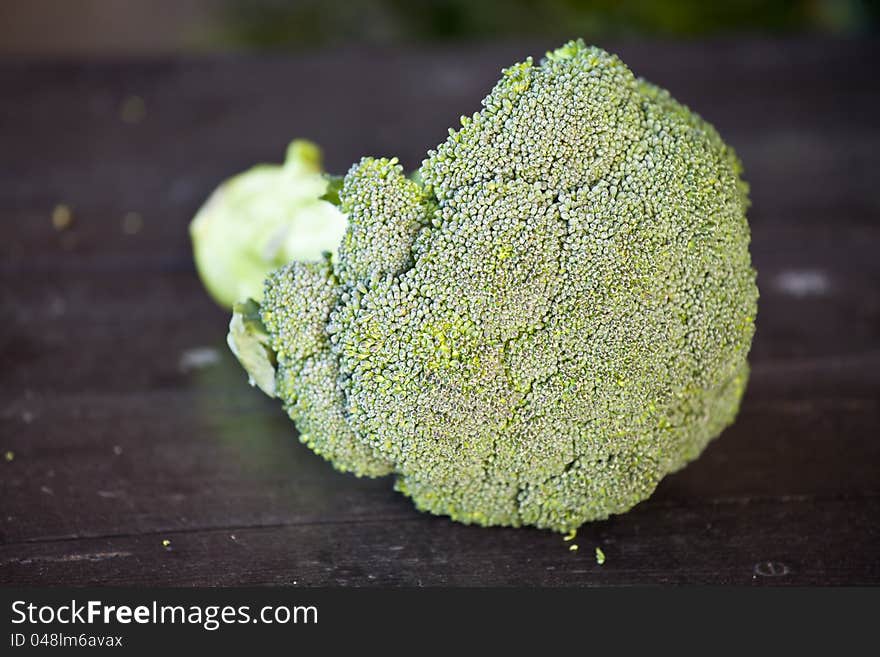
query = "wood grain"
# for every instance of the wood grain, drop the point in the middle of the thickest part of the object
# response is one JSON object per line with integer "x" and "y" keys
{"x": 119, "y": 442}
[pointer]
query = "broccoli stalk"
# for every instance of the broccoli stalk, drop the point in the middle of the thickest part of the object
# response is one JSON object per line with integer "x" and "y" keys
{"x": 261, "y": 219}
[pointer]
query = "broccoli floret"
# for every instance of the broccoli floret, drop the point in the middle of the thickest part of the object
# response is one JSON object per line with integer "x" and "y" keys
{"x": 550, "y": 316}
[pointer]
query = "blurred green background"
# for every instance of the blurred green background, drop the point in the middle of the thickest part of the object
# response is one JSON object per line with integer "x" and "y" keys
{"x": 59, "y": 27}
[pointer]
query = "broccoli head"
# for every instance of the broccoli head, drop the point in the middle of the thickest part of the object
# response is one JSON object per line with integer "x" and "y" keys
{"x": 552, "y": 314}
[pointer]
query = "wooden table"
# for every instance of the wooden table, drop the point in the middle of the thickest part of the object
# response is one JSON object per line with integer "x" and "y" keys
{"x": 126, "y": 423}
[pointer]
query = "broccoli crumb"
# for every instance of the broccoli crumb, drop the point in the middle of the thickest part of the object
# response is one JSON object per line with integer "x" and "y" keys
{"x": 600, "y": 556}
{"x": 573, "y": 547}
{"x": 62, "y": 217}
{"x": 132, "y": 222}
{"x": 133, "y": 110}
{"x": 9, "y": 456}
{"x": 570, "y": 535}
{"x": 166, "y": 543}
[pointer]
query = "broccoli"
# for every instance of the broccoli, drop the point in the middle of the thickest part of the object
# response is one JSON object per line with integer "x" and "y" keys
{"x": 261, "y": 219}
{"x": 551, "y": 315}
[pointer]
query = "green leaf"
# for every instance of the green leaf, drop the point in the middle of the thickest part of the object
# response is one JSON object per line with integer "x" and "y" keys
{"x": 334, "y": 185}
{"x": 248, "y": 339}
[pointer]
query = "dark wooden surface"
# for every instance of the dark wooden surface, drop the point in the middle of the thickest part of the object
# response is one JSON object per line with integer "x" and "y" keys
{"x": 120, "y": 444}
